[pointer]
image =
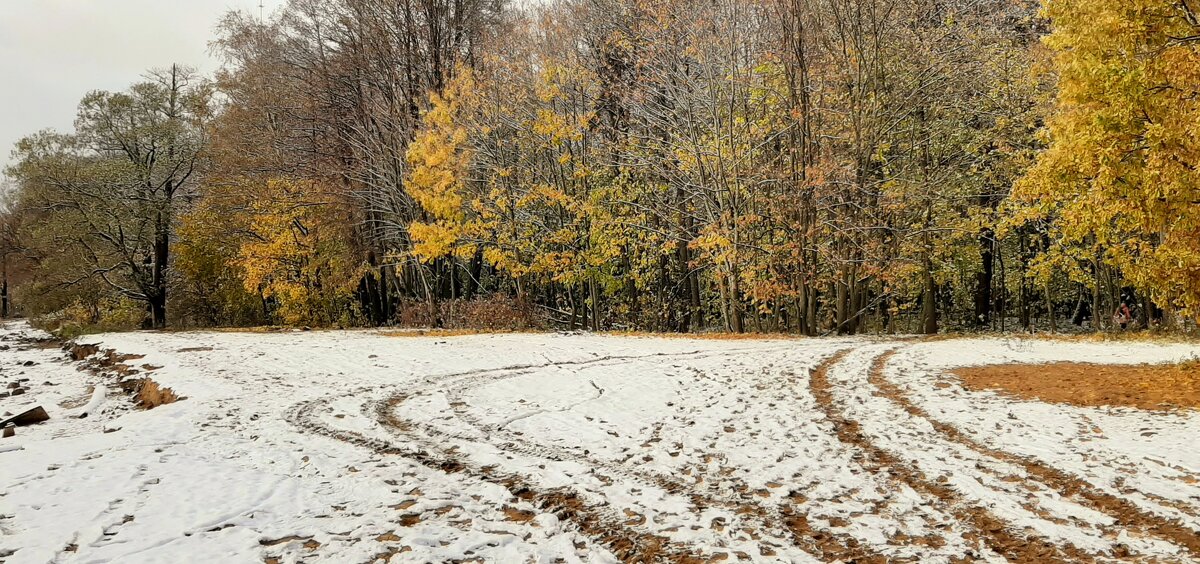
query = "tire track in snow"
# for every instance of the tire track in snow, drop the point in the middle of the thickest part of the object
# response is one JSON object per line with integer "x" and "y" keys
{"x": 1123, "y": 511}
{"x": 763, "y": 518}
{"x": 828, "y": 545}
{"x": 598, "y": 522}
{"x": 989, "y": 529}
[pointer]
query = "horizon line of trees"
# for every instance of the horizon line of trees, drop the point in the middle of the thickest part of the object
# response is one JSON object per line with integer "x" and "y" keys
{"x": 805, "y": 166}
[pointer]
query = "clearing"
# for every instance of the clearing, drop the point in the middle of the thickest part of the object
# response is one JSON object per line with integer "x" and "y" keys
{"x": 356, "y": 446}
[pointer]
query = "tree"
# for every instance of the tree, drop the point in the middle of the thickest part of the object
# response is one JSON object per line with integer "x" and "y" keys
{"x": 111, "y": 189}
{"x": 1117, "y": 187}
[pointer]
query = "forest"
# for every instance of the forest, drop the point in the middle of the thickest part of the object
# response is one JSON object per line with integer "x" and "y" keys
{"x": 801, "y": 166}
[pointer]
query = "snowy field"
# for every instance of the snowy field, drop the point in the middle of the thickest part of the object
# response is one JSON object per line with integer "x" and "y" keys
{"x": 361, "y": 447}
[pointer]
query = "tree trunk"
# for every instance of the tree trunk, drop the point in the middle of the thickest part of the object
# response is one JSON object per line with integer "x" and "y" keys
{"x": 810, "y": 311}
{"x": 594, "y": 297}
{"x": 1144, "y": 309}
{"x": 476, "y": 272}
{"x": 841, "y": 296}
{"x": 1050, "y": 308}
{"x": 983, "y": 280}
{"x": 929, "y": 321}
{"x": 158, "y": 296}
{"x": 158, "y": 311}
{"x": 735, "y": 304}
{"x": 4, "y": 290}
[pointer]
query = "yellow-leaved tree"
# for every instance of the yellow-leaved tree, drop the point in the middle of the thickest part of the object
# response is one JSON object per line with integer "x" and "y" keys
{"x": 438, "y": 160}
{"x": 269, "y": 251}
{"x": 505, "y": 168}
{"x": 298, "y": 255}
{"x": 1118, "y": 186}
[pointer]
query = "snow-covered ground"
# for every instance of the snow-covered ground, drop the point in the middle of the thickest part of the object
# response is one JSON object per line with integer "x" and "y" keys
{"x": 358, "y": 447}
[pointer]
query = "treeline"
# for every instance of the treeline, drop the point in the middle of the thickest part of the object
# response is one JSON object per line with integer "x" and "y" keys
{"x": 808, "y": 166}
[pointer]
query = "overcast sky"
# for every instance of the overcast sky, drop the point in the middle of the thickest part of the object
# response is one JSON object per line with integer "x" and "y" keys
{"x": 52, "y": 52}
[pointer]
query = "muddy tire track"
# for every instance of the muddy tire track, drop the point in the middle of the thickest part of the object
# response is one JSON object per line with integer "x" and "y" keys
{"x": 596, "y": 521}
{"x": 1125, "y": 513}
{"x": 988, "y": 528}
{"x": 599, "y": 523}
{"x": 783, "y": 520}
{"x": 755, "y": 516}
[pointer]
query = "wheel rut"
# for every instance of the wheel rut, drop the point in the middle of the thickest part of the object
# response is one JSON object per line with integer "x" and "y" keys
{"x": 772, "y": 524}
{"x": 1125, "y": 513}
{"x": 988, "y": 528}
{"x": 781, "y": 520}
{"x": 596, "y": 520}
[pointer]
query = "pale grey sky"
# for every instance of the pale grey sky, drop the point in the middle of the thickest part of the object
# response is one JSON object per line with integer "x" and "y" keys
{"x": 52, "y": 52}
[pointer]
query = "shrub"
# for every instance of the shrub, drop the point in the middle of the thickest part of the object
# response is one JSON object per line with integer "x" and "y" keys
{"x": 492, "y": 313}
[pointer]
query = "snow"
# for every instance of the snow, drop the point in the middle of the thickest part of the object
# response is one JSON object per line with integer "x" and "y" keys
{"x": 356, "y": 445}
{"x": 94, "y": 403}
{"x": 1152, "y": 455}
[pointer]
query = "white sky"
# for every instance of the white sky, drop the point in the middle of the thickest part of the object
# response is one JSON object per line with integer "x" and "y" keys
{"x": 52, "y": 52}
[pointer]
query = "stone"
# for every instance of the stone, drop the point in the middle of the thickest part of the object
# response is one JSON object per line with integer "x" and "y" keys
{"x": 28, "y": 417}
{"x": 10, "y": 430}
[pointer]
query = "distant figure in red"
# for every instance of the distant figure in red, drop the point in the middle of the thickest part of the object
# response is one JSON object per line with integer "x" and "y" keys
{"x": 1123, "y": 316}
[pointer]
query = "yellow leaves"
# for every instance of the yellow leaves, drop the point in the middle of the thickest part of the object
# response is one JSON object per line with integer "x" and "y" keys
{"x": 439, "y": 155}
{"x": 551, "y": 124}
{"x": 1115, "y": 177}
{"x": 283, "y": 241}
{"x": 431, "y": 240}
{"x": 548, "y": 87}
{"x": 505, "y": 261}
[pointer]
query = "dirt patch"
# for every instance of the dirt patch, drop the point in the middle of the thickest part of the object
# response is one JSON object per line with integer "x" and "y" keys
{"x": 148, "y": 393}
{"x": 151, "y": 395}
{"x": 518, "y": 515}
{"x": 79, "y": 352}
{"x": 1145, "y": 386}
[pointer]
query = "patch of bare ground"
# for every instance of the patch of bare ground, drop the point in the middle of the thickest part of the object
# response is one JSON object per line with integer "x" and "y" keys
{"x": 986, "y": 527}
{"x": 1126, "y": 514}
{"x": 148, "y": 393}
{"x": 1144, "y": 386}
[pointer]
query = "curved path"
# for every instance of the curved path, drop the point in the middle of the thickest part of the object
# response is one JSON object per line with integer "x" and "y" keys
{"x": 805, "y": 451}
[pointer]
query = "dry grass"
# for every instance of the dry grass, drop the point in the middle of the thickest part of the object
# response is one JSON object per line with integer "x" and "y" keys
{"x": 712, "y": 336}
{"x": 1165, "y": 337}
{"x": 1144, "y": 386}
{"x": 449, "y": 332}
